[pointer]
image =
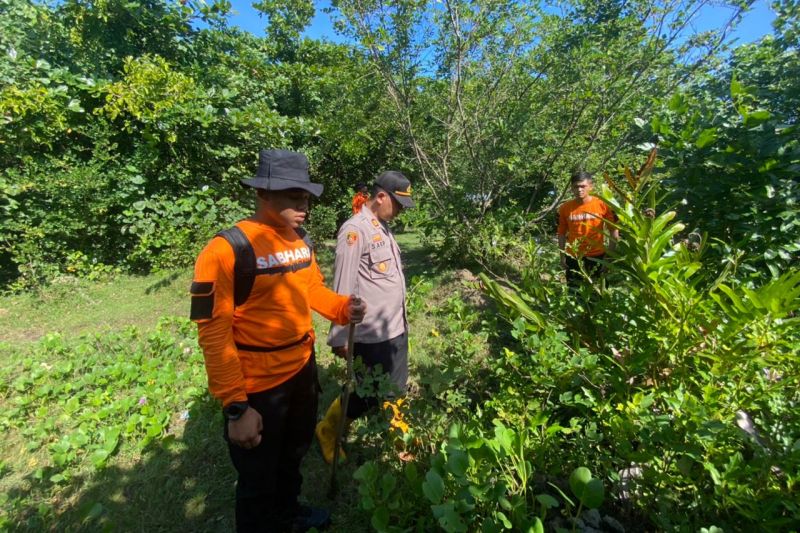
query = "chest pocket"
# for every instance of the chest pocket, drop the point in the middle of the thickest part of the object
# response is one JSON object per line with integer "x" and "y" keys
{"x": 381, "y": 263}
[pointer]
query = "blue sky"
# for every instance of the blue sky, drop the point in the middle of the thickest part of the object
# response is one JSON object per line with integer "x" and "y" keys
{"x": 756, "y": 23}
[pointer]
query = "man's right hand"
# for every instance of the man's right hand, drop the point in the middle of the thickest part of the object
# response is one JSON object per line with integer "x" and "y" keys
{"x": 246, "y": 432}
{"x": 356, "y": 308}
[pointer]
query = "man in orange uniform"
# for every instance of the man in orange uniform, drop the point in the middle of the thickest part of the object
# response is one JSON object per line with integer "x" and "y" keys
{"x": 581, "y": 225}
{"x": 259, "y": 354}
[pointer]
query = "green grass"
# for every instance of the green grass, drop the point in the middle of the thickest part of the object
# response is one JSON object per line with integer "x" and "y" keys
{"x": 71, "y": 306}
{"x": 76, "y": 359}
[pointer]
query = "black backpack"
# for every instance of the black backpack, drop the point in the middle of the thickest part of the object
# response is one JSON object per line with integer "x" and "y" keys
{"x": 244, "y": 269}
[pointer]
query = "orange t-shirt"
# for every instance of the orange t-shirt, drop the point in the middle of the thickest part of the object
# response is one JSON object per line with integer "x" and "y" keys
{"x": 277, "y": 312}
{"x": 358, "y": 201}
{"x": 582, "y": 223}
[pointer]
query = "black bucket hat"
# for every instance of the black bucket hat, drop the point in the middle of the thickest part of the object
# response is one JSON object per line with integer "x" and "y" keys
{"x": 397, "y": 185}
{"x": 279, "y": 170}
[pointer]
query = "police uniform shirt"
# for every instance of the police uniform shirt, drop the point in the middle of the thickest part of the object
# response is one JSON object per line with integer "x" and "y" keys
{"x": 368, "y": 265}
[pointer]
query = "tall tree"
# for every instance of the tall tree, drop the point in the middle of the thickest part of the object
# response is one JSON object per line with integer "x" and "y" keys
{"x": 500, "y": 99}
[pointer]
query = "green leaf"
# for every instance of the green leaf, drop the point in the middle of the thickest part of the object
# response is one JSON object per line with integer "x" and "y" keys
{"x": 706, "y": 137}
{"x": 722, "y": 303}
{"x": 756, "y": 118}
{"x": 388, "y": 483}
{"x": 547, "y": 501}
{"x": 504, "y": 437}
{"x": 503, "y": 519}
{"x": 367, "y": 503}
{"x": 380, "y": 518}
{"x": 773, "y": 270}
{"x": 536, "y": 526}
{"x": 578, "y": 480}
{"x": 734, "y": 298}
{"x": 433, "y": 487}
{"x": 594, "y": 494}
{"x": 110, "y": 439}
{"x": 448, "y": 518}
{"x": 753, "y": 297}
{"x": 504, "y": 503}
{"x": 75, "y": 106}
{"x": 589, "y": 491}
{"x": 99, "y": 458}
{"x": 737, "y": 89}
{"x": 410, "y": 472}
{"x": 712, "y": 470}
{"x": 458, "y": 463}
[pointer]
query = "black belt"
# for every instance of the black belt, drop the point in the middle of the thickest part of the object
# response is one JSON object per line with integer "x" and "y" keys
{"x": 249, "y": 348}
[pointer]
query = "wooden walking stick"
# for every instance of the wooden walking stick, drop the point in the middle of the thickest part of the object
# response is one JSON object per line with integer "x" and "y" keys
{"x": 347, "y": 389}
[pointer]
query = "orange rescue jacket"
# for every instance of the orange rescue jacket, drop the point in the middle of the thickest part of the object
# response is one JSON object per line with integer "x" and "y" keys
{"x": 288, "y": 284}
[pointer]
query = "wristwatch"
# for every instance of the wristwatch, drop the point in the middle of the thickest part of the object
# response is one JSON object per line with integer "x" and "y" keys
{"x": 235, "y": 410}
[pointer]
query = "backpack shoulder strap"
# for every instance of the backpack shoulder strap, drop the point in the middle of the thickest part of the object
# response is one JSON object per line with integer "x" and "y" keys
{"x": 303, "y": 234}
{"x": 244, "y": 269}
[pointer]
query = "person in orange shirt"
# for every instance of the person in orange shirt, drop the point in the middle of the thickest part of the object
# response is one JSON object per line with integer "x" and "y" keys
{"x": 582, "y": 223}
{"x": 360, "y": 198}
{"x": 258, "y": 345}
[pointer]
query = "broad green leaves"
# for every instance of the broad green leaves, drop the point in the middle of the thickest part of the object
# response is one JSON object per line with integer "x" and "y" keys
{"x": 589, "y": 491}
{"x": 102, "y": 393}
{"x": 433, "y": 487}
{"x": 663, "y": 358}
{"x": 92, "y": 95}
{"x": 514, "y": 300}
{"x": 729, "y": 148}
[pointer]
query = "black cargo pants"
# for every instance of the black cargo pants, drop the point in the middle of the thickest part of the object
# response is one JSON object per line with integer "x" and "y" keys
{"x": 269, "y": 474}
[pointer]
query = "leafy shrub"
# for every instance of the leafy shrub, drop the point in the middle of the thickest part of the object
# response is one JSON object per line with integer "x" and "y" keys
{"x": 104, "y": 108}
{"x": 73, "y": 209}
{"x": 322, "y": 222}
{"x": 731, "y": 150}
{"x": 477, "y": 481}
{"x": 170, "y": 232}
{"x": 671, "y": 376}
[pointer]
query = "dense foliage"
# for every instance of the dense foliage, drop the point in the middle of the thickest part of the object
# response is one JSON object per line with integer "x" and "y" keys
{"x": 113, "y": 111}
{"x": 126, "y": 130}
{"x": 672, "y": 382}
{"x": 732, "y": 153}
{"x": 664, "y": 396}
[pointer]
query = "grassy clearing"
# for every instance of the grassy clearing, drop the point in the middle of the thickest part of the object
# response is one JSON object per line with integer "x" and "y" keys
{"x": 83, "y": 359}
{"x": 72, "y": 307}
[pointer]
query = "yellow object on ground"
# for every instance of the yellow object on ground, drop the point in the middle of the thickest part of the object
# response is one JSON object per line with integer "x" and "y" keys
{"x": 326, "y": 431}
{"x": 397, "y": 422}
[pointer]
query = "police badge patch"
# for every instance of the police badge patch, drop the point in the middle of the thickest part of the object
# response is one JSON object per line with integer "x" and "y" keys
{"x": 352, "y": 237}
